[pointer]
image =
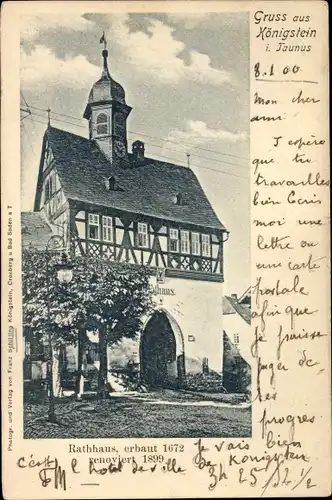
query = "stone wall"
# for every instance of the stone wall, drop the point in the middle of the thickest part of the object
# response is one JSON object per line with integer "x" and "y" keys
{"x": 201, "y": 382}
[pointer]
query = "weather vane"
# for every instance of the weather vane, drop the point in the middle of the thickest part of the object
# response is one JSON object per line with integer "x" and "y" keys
{"x": 103, "y": 40}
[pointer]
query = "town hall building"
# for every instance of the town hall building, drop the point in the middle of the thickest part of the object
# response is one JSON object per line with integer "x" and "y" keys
{"x": 110, "y": 200}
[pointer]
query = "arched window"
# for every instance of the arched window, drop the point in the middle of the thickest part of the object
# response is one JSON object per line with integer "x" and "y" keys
{"x": 102, "y": 125}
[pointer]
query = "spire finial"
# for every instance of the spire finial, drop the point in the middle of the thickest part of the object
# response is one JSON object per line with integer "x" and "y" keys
{"x": 48, "y": 116}
{"x": 103, "y": 40}
{"x": 105, "y": 74}
{"x": 188, "y": 160}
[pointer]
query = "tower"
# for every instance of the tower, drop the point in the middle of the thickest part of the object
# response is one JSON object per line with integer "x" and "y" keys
{"x": 107, "y": 113}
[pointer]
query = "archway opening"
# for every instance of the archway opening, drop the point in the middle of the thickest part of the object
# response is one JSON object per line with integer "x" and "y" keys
{"x": 162, "y": 363}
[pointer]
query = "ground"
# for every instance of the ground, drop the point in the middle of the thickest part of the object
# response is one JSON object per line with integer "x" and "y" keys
{"x": 139, "y": 415}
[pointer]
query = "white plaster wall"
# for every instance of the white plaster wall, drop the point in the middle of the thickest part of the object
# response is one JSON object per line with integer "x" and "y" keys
{"x": 233, "y": 323}
{"x": 197, "y": 308}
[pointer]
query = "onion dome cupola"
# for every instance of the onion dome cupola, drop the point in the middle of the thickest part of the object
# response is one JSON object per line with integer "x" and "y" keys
{"x": 107, "y": 113}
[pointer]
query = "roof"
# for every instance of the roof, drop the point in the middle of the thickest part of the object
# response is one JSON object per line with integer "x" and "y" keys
{"x": 147, "y": 188}
{"x": 35, "y": 230}
{"x": 245, "y": 298}
{"x": 232, "y": 306}
{"x": 105, "y": 90}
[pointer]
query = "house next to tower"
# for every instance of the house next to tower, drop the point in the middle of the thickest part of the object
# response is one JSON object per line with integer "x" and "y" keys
{"x": 123, "y": 206}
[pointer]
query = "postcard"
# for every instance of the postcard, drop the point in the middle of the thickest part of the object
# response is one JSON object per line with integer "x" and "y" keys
{"x": 165, "y": 250}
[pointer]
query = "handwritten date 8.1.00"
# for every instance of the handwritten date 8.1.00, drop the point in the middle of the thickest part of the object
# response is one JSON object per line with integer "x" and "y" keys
{"x": 271, "y": 70}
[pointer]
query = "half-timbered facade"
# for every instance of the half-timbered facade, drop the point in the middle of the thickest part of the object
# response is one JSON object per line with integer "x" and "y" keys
{"x": 124, "y": 206}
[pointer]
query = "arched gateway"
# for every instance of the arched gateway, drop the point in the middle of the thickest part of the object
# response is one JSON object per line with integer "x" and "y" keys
{"x": 162, "y": 352}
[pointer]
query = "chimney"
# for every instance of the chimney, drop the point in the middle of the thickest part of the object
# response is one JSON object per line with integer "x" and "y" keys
{"x": 138, "y": 150}
{"x": 234, "y": 296}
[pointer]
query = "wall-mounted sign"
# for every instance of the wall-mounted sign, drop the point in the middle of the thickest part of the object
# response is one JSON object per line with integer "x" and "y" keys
{"x": 161, "y": 290}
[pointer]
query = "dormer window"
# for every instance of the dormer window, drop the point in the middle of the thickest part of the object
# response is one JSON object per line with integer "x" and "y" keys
{"x": 102, "y": 124}
{"x": 110, "y": 183}
{"x": 178, "y": 199}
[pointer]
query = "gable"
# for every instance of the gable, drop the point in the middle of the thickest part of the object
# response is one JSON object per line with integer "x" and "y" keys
{"x": 49, "y": 194}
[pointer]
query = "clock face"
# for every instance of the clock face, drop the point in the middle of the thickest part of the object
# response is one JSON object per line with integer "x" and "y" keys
{"x": 119, "y": 149}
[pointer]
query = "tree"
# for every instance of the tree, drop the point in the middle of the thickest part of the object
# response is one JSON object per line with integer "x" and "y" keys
{"x": 46, "y": 306}
{"x": 113, "y": 299}
{"x": 107, "y": 297}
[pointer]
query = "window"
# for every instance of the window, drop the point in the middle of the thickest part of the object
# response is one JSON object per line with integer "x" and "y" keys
{"x": 206, "y": 246}
{"x": 107, "y": 228}
{"x": 195, "y": 244}
{"x": 174, "y": 240}
{"x": 94, "y": 227}
{"x": 185, "y": 247}
{"x": 236, "y": 338}
{"x": 102, "y": 125}
{"x": 142, "y": 235}
{"x": 57, "y": 201}
{"x": 50, "y": 186}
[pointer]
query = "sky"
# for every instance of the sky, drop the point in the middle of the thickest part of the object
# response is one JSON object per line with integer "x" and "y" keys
{"x": 186, "y": 77}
